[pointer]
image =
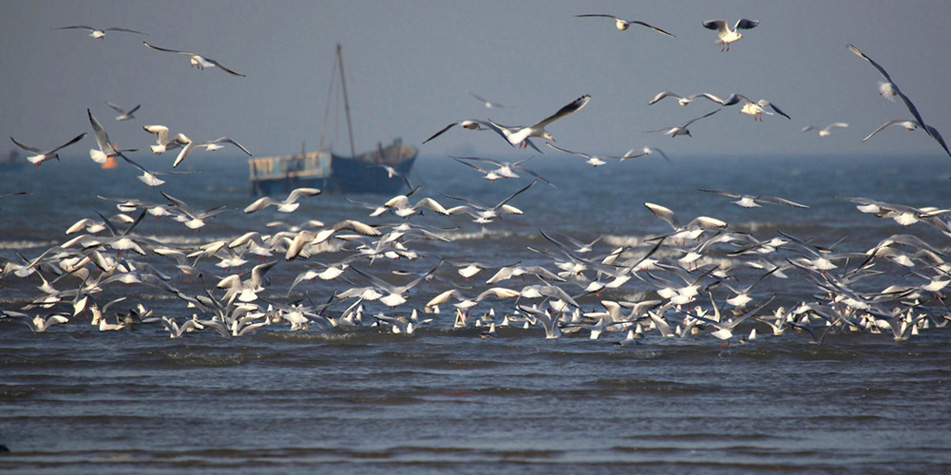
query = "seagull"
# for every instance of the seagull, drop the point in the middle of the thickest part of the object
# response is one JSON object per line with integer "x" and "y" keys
{"x": 42, "y": 156}
{"x": 623, "y": 24}
{"x": 750, "y": 201}
{"x": 682, "y": 129}
{"x": 161, "y": 138}
{"x": 487, "y": 103}
{"x": 519, "y": 135}
{"x": 755, "y": 109}
{"x": 504, "y": 170}
{"x": 107, "y": 149}
{"x": 484, "y": 214}
{"x": 691, "y": 230}
{"x": 725, "y": 34}
{"x": 210, "y": 146}
{"x": 912, "y": 125}
{"x": 825, "y": 131}
{"x": 39, "y": 324}
{"x": 193, "y": 219}
{"x": 684, "y": 100}
{"x": 197, "y": 60}
{"x": 149, "y": 177}
{"x": 471, "y": 124}
{"x": 123, "y": 115}
{"x": 287, "y": 206}
{"x": 98, "y": 33}
{"x": 597, "y": 161}
{"x": 889, "y": 89}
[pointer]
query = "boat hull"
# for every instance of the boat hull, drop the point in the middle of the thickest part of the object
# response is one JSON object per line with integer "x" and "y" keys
{"x": 378, "y": 171}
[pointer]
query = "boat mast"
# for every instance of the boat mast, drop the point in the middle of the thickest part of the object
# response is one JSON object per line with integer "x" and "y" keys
{"x": 346, "y": 101}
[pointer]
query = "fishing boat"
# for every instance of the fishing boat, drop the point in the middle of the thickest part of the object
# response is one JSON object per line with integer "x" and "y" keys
{"x": 383, "y": 170}
{"x": 12, "y": 161}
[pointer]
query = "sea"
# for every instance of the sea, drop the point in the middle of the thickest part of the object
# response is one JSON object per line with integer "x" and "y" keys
{"x": 361, "y": 398}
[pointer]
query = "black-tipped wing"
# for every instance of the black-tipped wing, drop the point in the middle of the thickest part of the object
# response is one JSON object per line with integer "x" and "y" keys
{"x": 569, "y": 109}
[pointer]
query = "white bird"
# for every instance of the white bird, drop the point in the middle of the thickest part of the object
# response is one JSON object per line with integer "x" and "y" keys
{"x": 210, "y": 146}
{"x": 487, "y": 103}
{"x": 123, "y": 114}
{"x": 681, "y": 129}
{"x": 246, "y": 290}
{"x": 395, "y": 294}
{"x": 519, "y": 135}
{"x": 175, "y": 330}
{"x": 288, "y": 205}
{"x": 907, "y": 124}
{"x": 150, "y": 177}
{"x": 192, "y": 218}
{"x": 755, "y": 109}
{"x": 889, "y": 89}
{"x": 623, "y": 24}
{"x": 725, "y": 35}
{"x": 161, "y": 138}
{"x": 750, "y": 201}
{"x": 39, "y": 324}
{"x": 598, "y": 160}
{"x": 502, "y": 170}
{"x": 484, "y": 214}
{"x": 684, "y": 100}
{"x": 912, "y": 125}
{"x": 548, "y": 320}
{"x": 471, "y": 124}
{"x": 197, "y": 60}
{"x": 306, "y": 238}
{"x": 107, "y": 148}
{"x": 825, "y": 131}
{"x": 691, "y": 230}
{"x": 98, "y": 33}
{"x": 42, "y": 156}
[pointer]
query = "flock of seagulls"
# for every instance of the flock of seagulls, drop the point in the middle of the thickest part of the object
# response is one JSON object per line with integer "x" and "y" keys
{"x": 702, "y": 278}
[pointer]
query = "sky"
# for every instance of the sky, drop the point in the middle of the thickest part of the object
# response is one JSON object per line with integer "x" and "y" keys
{"x": 409, "y": 64}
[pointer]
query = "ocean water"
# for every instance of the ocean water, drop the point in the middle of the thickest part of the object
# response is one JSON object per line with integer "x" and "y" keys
{"x": 361, "y": 398}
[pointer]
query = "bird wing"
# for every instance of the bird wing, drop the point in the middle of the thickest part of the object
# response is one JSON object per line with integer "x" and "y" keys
{"x": 708, "y": 96}
{"x": 26, "y": 147}
{"x": 585, "y": 155}
{"x": 146, "y": 43}
{"x": 653, "y": 28}
{"x": 862, "y": 55}
{"x": 221, "y": 140}
{"x": 569, "y": 109}
{"x": 701, "y": 117}
{"x": 780, "y": 201}
{"x": 76, "y": 27}
{"x": 746, "y": 24}
{"x": 718, "y": 25}
{"x": 216, "y": 63}
{"x": 101, "y": 137}
{"x": 726, "y": 193}
{"x": 663, "y": 95}
{"x": 67, "y": 144}
{"x": 773, "y": 107}
{"x": 889, "y": 124}
{"x": 127, "y": 30}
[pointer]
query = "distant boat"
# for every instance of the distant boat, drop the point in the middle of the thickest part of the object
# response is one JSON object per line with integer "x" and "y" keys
{"x": 12, "y": 161}
{"x": 377, "y": 171}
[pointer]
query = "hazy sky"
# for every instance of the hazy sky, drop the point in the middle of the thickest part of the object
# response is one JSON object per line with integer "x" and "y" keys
{"x": 409, "y": 64}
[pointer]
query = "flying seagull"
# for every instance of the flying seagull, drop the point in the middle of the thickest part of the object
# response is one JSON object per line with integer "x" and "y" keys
{"x": 681, "y": 129}
{"x": 98, "y": 33}
{"x": 623, "y": 24}
{"x": 197, "y": 60}
{"x": 725, "y": 35}
{"x": 42, "y": 156}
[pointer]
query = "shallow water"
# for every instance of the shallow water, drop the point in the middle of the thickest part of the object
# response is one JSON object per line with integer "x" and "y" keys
{"x": 444, "y": 399}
